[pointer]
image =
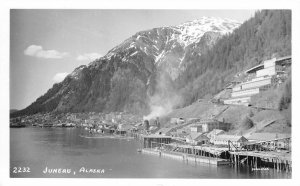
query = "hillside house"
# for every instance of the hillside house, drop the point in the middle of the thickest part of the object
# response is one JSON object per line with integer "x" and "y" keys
{"x": 196, "y": 128}
{"x": 177, "y": 121}
{"x": 210, "y": 124}
{"x": 259, "y": 78}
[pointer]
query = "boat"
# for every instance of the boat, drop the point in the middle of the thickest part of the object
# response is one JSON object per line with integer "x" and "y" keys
{"x": 70, "y": 125}
{"x": 17, "y": 125}
{"x": 105, "y": 136}
{"x": 58, "y": 125}
{"x": 46, "y": 125}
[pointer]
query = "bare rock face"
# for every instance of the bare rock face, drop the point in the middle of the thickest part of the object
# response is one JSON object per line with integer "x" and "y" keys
{"x": 137, "y": 62}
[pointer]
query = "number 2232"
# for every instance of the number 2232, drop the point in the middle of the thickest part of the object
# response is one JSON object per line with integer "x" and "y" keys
{"x": 21, "y": 169}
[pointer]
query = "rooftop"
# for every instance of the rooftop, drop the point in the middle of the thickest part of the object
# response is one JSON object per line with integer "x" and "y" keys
{"x": 255, "y": 68}
{"x": 195, "y": 136}
{"x": 268, "y": 136}
{"x": 207, "y": 120}
{"x": 261, "y": 66}
{"x": 225, "y": 137}
{"x": 215, "y": 132}
{"x": 165, "y": 130}
{"x": 283, "y": 58}
{"x": 155, "y": 136}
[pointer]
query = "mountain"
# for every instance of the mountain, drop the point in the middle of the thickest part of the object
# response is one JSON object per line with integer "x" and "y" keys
{"x": 139, "y": 71}
{"x": 160, "y": 69}
{"x": 169, "y": 46}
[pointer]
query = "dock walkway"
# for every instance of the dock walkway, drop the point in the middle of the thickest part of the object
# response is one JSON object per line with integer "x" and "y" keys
{"x": 186, "y": 157}
{"x": 276, "y": 160}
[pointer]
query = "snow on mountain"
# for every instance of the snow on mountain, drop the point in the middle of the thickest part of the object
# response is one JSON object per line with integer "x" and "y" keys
{"x": 192, "y": 31}
{"x": 170, "y": 46}
{"x": 190, "y": 37}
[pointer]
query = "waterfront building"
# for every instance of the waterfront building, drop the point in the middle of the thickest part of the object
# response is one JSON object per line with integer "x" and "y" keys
{"x": 165, "y": 131}
{"x": 271, "y": 140}
{"x": 154, "y": 140}
{"x": 139, "y": 126}
{"x": 195, "y": 138}
{"x": 212, "y": 134}
{"x": 224, "y": 139}
{"x": 257, "y": 137}
{"x": 123, "y": 128}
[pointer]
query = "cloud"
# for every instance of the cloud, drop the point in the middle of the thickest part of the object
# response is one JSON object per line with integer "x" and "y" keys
{"x": 38, "y": 51}
{"x": 88, "y": 57}
{"x": 59, "y": 77}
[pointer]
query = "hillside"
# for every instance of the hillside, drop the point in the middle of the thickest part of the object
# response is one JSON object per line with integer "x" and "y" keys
{"x": 271, "y": 121}
{"x": 266, "y": 35}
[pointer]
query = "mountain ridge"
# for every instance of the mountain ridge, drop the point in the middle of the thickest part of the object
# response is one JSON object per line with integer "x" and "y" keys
{"x": 152, "y": 70}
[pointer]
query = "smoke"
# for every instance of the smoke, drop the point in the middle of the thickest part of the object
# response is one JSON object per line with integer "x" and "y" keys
{"x": 165, "y": 99}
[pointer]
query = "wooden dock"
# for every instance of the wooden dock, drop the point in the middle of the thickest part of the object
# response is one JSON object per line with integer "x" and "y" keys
{"x": 187, "y": 157}
{"x": 276, "y": 160}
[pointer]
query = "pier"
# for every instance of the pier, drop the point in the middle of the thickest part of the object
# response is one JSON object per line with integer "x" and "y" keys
{"x": 161, "y": 146}
{"x": 153, "y": 141}
{"x": 274, "y": 153}
{"x": 187, "y": 157}
{"x": 280, "y": 161}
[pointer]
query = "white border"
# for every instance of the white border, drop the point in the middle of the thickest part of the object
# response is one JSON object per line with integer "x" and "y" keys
{"x": 135, "y": 4}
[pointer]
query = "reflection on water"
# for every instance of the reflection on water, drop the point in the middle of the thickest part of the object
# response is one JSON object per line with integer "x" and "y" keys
{"x": 38, "y": 148}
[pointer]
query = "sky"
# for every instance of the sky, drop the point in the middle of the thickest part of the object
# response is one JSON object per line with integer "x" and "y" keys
{"x": 46, "y": 45}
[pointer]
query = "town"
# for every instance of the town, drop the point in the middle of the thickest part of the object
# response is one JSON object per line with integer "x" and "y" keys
{"x": 203, "y": 139}
{"x": 190, "y": 139}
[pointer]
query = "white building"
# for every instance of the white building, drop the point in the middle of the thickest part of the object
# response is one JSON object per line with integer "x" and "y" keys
{"x": 238, "y": 101}
{"x": 197, "y": 138}
{"x": 212, "y": 134}
{"x": 223, "y": 139}
{"x": 264, "y": 76}
{"x": 196, "y": 128}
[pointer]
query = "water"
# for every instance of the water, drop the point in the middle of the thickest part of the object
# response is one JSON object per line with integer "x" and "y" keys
{"x": 35, "y": 149}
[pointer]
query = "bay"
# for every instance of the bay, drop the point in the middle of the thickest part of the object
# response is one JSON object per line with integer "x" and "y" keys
{"x": 63, "y": 148}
